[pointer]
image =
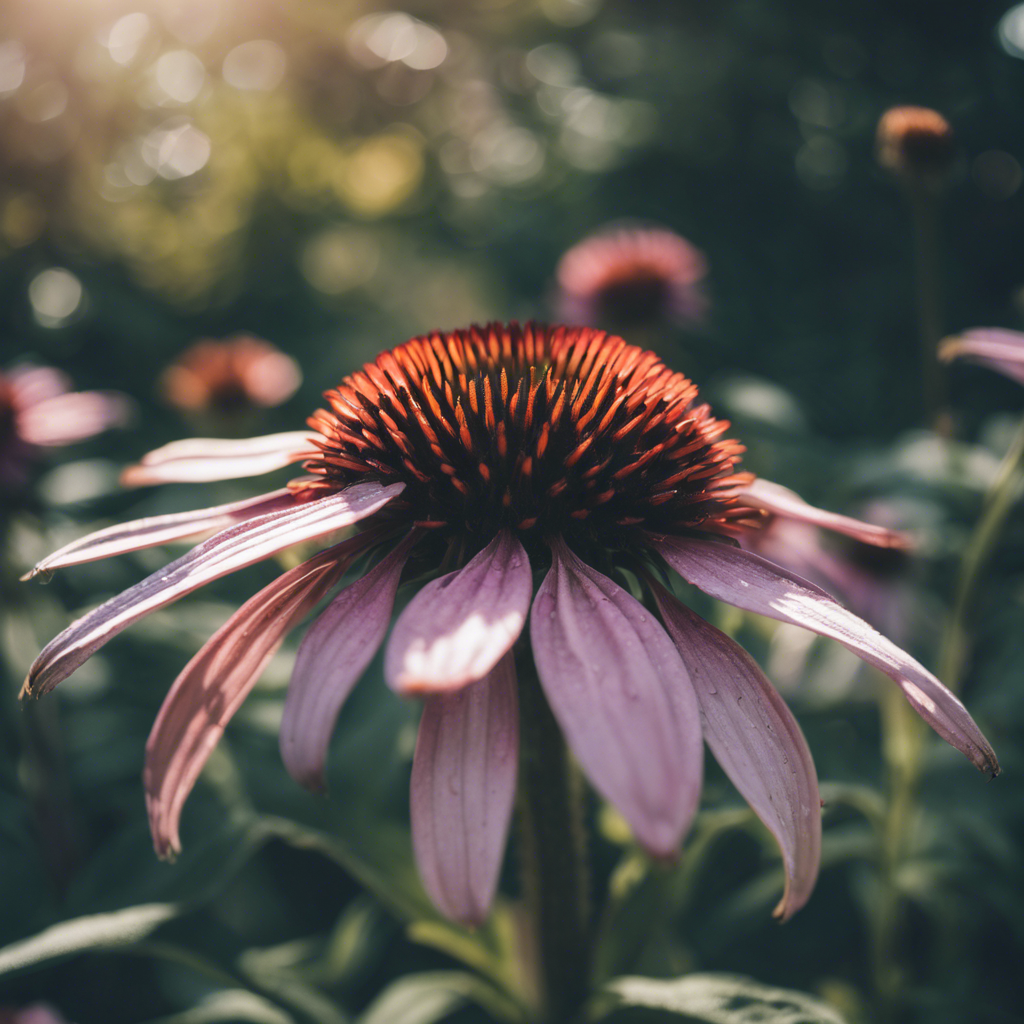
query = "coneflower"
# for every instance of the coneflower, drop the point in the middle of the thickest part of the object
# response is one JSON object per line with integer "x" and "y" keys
{"x": 477, "y": 459}
{"x": 38, "y": 410}
{"x": 630, "y": 276}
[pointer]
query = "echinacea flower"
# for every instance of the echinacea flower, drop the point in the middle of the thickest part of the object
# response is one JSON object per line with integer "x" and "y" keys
{"x": 38, "y": 409}
{"x": 995, "y": 348}
{"x": 480, "y": 457}
{"x": 915, "y": 144}
{"x": 630, "y": 275}
{"x": 230, "y": 376}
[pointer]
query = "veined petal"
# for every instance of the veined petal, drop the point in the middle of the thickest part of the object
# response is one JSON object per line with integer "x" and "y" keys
{"x": 992, "y": 347}
{"x": 214, "y": 683}
{"x": 455, "y": 630}
{"x": 333, "y": 655}
{"x": 201, "y": 459}
{"x": 753, "y": 583}
{"x": 463, "y": 789}
{"x": 64, "y": 419}
{"x": 781, "y": 501}
{"x": 226, "y": 552}
{"x": 756, "y": 740}
{"x": 154, "y": 530}
{"x": 623, "y": 699}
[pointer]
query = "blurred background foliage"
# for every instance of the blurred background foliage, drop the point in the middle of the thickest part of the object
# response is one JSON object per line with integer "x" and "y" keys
{"x": 338, "y": 176}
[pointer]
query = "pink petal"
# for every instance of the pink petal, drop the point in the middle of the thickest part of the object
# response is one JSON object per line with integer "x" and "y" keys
{"x": 201, "y": 459}
{"x": 781, "y": 501}
{"x": 756, "y": 740}
{"x": 463, "y": 789}
{"x": 992, "y": 347}
{"x": 753, "y": 583}
{"x": 154, "y": 530}
{"x": 333, "y": 655}
{"x": 214, "y": 683}
{"x": 226, "y": 552}
{"x": 36, "y": 383}
{"x": 64, "y": 419}
{"x": 623, "y": 699}
{"x": 455, "y": 630}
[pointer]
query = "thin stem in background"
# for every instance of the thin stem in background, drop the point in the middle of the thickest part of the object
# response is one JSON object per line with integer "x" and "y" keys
{"x": 924, "y": 209}
{"x": 998, "y": 501}
{"x": 553, "y": 855}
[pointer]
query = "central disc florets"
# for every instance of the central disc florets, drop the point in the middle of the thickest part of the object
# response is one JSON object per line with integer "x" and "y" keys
{"x": 542, "y": 430}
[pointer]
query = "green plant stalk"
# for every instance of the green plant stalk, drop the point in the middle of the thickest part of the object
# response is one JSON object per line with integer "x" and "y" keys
{"x": 903, "y": 737}
{"x": 924, "y": 205}
{"x": 998, "y": 501}
{"x": 553, "y": 851}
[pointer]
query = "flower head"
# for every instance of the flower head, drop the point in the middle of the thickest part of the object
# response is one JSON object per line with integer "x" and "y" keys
{"x": 629, "y": 276}
{"x": 229, "y": 377}
{"x": 38, "y": 410}
{"x": 915, "y": 143}
{"x": 486, "y": 455}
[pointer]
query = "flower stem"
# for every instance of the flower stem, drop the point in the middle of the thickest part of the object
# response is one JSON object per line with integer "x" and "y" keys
{"x": 924, "y": 214}
{"x": 553, "y": 855}
{"x": 998, "y": 501}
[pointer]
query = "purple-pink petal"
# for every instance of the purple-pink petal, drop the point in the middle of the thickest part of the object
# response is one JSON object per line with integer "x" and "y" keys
{"x": 622, "y": 697}
{"x": 154, "y": 530}
{"x": 226, "y": 552}
{"x": 781, "y": 501}
{"x": 754, "y": 584}
{"x": 66, "y": 418}
{"x": 993, "y": 347}
{"x": 756, "y": 740}
{"x": 202, "y": 459}
{"x": 463, "y": 789}
{"x": 214, "y": 683}
{"x": 333, "y": 655}
{"x": 455, "y": 630}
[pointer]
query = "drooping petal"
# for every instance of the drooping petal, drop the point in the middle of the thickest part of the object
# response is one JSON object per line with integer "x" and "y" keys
{"x": 201, "y": 459}
{"x": 333, "y": 655}
{"x": 463, "y": 789}
{"x": 992, "y": 347}
{"x": 214, "y": 683}
{"x": 622, "y": 697}
{"x": 75, "y": 416}
{"x": 226, "y": 552}
{"x": 748, "y": 581}
{"x": 457, "y": 627}
{"x": 756, "y": 740}
{"x": 781, "y": 501}
{"x": 154, "y": 530}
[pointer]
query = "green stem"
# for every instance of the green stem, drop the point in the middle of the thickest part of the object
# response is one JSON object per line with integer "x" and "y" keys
{"x": 998, "y": 501}
{"x": 903, "y": 736}
{"x": 553, "y": 855}
{"x": 924, "y": 213}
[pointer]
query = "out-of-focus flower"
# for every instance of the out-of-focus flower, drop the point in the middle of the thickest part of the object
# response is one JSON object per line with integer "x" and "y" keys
{"x": 37, "y": 1013}
{"x": 915, "y": 143}
{"x": 38, "y": 410}
{"x": 631, "y": 275}
{"x": 490, "y": 452}
{"x": 230, "y": 377}
{"x": 992, "y": 347}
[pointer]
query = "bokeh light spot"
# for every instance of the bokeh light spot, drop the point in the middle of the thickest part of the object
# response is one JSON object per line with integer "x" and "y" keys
{"x": 12, "y": 65}
{"x": 125, "y": 36}
{"x": 338, "y": 260}
{"x": 997, "y": 174}
{"x": 381, "y": 174}
{"x": 176, "y": 149}
{"x": 1011, "y": 31}
{"x": 180, "y": 75}
{"x": 380, "y": 39}
{"x": 55, "y": 295}
{"x": 256, "y": 66}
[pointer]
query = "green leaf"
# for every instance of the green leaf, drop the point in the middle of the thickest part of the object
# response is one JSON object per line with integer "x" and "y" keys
{"x": 435, "y": 995}
{"x": 233, "y": 1006}
{"x": 721, "y": 999}
{"x": 97, "y": 931}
